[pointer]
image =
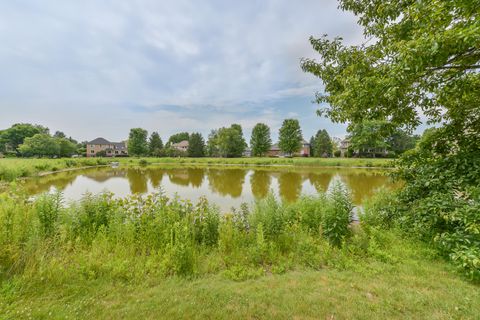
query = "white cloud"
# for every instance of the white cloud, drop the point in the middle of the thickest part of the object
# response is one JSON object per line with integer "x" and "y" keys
{"x": 63, "y": 63}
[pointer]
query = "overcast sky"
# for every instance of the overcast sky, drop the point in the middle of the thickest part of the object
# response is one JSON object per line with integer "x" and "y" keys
{"x": 98, "y": 68}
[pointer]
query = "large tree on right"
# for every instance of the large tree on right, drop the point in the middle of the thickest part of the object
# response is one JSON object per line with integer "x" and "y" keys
{"x": 420, "y": 61}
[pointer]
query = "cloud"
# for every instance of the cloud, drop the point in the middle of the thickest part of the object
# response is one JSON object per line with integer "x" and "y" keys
{"x": 100, "y": 67}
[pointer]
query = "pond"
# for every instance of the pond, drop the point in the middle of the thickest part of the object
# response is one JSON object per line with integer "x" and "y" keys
{"x": 226, "y": 187}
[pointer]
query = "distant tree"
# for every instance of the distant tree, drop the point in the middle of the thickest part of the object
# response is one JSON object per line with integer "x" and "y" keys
{"x": 196, "y": 145}
{"x": 16, "y": 134}
{"x": 59, "y": 134}
{"x": 178, "y": 137}
{"x": 323, "y": 144}
{"x": 290, "y": 136}
{"x": 155, "y": 144}
{"x": 369, "y": 136}
{"x": 40, "y": 145}
{"x": 230, "y": 141}
{"x": 400, "y": 141}
{"x": 66, "y": 147}
{"x": 260, "y": 142}
{"x": 212, "y": 144}
{"x": 137, "y": 142}
{"x": 312, "y": 146}
{"x": 82, "y": 148}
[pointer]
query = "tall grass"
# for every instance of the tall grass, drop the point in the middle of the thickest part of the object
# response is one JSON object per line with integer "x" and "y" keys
{"x": 100, "y": 236}
{"x": 13, "y": 168}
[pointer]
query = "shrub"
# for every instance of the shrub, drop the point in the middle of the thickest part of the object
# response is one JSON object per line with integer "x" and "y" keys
{"x": 337, "y": 153}
{"x": 48, "y": 207}
{"x": 337, "y": 215}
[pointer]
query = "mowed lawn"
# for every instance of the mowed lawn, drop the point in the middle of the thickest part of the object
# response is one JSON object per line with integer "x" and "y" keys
{"x": 415, "y": 287}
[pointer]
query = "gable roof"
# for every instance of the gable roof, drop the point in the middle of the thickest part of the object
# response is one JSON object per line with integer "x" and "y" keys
{"x": 99, "y": 141}
{"x": 183, "y": 143}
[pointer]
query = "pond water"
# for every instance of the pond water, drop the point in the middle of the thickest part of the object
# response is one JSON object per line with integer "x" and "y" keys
{"x": 226, "y": 187}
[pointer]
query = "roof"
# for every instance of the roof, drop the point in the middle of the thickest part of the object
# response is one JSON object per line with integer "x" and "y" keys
{"x": 183, "y": 143}
{"x": 117, "y": 145}
{"x": 99, "y": 141}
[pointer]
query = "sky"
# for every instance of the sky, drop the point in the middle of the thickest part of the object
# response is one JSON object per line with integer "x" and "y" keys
{"x": 98, "y": 68}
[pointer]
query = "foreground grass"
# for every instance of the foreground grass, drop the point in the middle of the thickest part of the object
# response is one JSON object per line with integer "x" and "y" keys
{"x": 411, "y": 285}
{"x": 155, "y": 257}
{"x": 11, "y": 169}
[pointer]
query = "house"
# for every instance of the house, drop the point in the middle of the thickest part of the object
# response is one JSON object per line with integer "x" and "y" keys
{"x": 111, "y": 149}
{"x": 344, "y": 145}
{"x": 275, "y": 151}
{"x": 247, "y": 152}
{"x": 181, "y": 146}
{"x": 305, "y": 150}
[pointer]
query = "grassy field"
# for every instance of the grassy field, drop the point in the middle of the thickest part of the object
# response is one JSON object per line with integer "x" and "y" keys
{"x": 11, "y": 169}
{"x": 411, "y": 285}
{"x": 157, "y": 257}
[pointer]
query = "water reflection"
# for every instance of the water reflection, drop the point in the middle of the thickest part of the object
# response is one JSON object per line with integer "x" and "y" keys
{"x": 260, "y": 182}
{"x": 225, "y": 186}
{"x": 227, "y": 182}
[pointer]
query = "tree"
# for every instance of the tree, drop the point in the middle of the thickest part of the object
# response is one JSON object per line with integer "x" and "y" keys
{"x": 260, "y": 142}
{"x": 424, "y": 60}
{"x": 15, "y": 135}
{"x": 66, "y": 147}
{"x": 312, "y": 146}
{"x": 400, "y": 141}
{"x": 290, "y": 136}
{"x": 323, "y": 144}
{"x": 178, "y": 137}
{"x": 230, "y": 141}
{"x": 212, "y": 144}
{"x": 196, "y": 145}
{"x": 368, "y": 137}
{"x": 39, "y": 145}
{"x": 155, "y": 144}
{"x": 137, "y": 142}
{"x": 59, "y": 134}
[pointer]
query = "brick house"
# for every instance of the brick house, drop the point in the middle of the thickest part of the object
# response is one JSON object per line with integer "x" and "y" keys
{"x": 112, "y": 149}
{"x": 303, "y": 152}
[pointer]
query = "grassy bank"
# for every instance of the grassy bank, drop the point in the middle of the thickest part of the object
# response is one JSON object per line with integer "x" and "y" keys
{"x": 313, "y": 162}
{"x": 11, "y": 169}
{"x": 161, "y": 257}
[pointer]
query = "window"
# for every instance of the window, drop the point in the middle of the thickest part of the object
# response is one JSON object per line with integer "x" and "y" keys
{"x": 92, "y": 151}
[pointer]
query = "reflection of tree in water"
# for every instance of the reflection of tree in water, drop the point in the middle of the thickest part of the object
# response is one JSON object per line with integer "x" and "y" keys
{"x": 227, "y": 181}
{"x": 290, "y": 185}
{"x": 102, "y": 175}
{"x": 260, "y": 183}
{"x": 320, "y": 181}
{"x": 137, "y": 179}
{"x": 364, "y": 185}
{"x": 196, "y": 176}
{"x": 58, "y": 180}
{"x": 186, "y": 177}
{"x": 156, "y": 176}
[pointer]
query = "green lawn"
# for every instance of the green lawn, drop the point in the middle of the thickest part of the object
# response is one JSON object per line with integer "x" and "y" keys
{"x": 416, "y": 288}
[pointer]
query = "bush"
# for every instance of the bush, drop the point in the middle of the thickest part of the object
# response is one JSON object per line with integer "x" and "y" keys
{"x": 337, "y": 153}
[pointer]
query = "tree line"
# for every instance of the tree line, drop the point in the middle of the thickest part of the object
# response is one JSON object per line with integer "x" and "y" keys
{"x": 366, "y": 139}
{"x": 30, "y": 140}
